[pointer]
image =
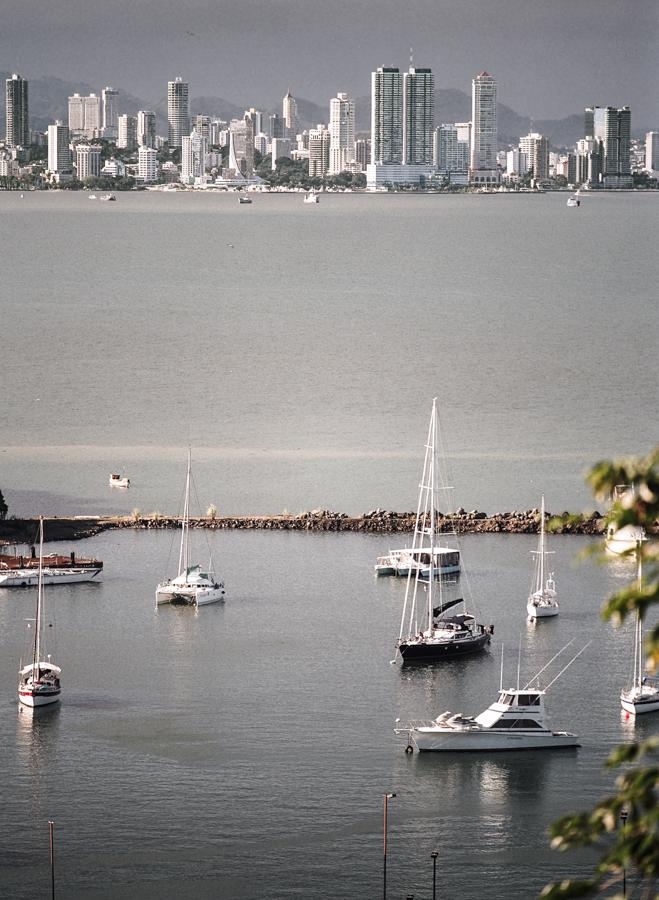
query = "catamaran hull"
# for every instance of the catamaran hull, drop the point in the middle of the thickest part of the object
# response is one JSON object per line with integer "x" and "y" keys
{"x": 413, "y": 652}
{"x": 29, "y": 698}
{"x": 486, "y": 741}
{"x": 192, "y": 598}
{"x": 30, "y": 577}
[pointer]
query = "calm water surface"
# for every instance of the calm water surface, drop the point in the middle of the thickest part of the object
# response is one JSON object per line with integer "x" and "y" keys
{"x": 242, "y": 750}
{"x": 298, "y": 348}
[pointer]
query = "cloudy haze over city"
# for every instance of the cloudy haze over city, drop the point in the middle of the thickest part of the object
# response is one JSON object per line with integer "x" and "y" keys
{"x": 550, "y": 59}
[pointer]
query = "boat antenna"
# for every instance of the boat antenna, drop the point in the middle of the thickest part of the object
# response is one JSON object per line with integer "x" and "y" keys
{"x": 568, "y": 665}
{"x": 501, "y": 673}
{"x": 546, "y": 665}
{"x": 519, "y": 658}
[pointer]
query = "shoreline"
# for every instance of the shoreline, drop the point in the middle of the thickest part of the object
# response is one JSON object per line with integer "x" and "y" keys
{"x": 74, "y": 528}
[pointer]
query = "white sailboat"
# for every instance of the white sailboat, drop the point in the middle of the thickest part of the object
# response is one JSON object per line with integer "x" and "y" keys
{"x": 311, "y": 197}
{"x": 192, "y": 586}
{"x": 426, "y": 633}
{"x": 623, "y": 541}
{"x": 39, "y": 681}
{"x": 542, "y": 601}
{"x": 643, "y": 695}
{"x": 574, "y": 201}
{"x": 517, "y": 720}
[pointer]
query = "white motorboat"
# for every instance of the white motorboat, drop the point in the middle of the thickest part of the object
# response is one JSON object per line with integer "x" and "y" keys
{"x": 120, "y": 481}
{"x": 517, "y": 720}
{"x": 401, "y": 562}
{"x": 39, "y": 681}
{"x": 192, "y": 586}
{"x": 625, "y": 540}
{"x": 311, "y": 197}
{"x": 244, "y": 200}
{"x": 426, "y": 633}
{"x": 107, "y": 197}
{"x": 643, "y": 695}
{"x": 542, "y": 601}
{"x": 574, "y": 201}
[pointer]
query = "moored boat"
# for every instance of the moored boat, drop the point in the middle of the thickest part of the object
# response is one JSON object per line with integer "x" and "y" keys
{"x": 120, "y": 481}
{"x": 311, "y": 197}
{"x": 39, "y": 681}
{"x": 643, "y": 695}
{"x": 623, "y": 541}
{"x": 543, "y": 601}
{"x": 401, "y": 562}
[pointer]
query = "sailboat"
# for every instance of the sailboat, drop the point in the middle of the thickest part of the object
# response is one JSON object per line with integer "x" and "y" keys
{"x": 426, "y": 633}
{"x": 643, "y": 696}
{"x": 624, "y": 541}
{"x": 192, "y": 586}
{"x": 574, "y": 201}
{"x": 39, "y": 682}
{"x": 542, "y": 601}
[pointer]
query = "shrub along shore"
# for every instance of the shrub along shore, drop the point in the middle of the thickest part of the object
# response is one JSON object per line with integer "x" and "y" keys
{"x": 377, "y": 521}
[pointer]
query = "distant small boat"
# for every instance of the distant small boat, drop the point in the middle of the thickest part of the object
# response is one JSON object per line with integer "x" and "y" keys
{"x": 311, "y": 197}
{"x": 242, "y": 199}
{"x": 574, "y": 200}
{"x": 119, "y": 481}
{"x": 107, "y": 197}
{"x": 92, "y": 197}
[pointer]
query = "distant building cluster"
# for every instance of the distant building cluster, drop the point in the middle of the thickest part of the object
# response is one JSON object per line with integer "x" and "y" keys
{"x": 404, "y": 148}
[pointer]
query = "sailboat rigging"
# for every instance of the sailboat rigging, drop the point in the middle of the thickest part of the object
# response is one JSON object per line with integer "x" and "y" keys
{"x": 542, "y": 601}
{"x": 643, "y": 695}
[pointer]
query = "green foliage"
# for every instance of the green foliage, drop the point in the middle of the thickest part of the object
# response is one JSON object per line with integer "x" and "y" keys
{"x": 630, "y": 843}
{"x": 4, "y": 509}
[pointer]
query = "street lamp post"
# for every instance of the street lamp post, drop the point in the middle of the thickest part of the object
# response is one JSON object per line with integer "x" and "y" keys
{"x": 434, "y": 856}
{"x": 387, "y": 798}
{"x": 624, "y": 812}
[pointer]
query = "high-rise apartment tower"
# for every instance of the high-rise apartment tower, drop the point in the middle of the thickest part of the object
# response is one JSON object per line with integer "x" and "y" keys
{"x": 18, "y": 127}
{"x": 483, "y": 157}
{"x": 418, "y": 110}
{"x": 342, "y": 133}
{"x": 386, "y": 116}
{"x": 178, "y": 113}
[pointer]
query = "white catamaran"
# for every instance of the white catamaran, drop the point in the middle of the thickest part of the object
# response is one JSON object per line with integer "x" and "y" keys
{"x": 542, "y": 601}
{"x": 426, "y": 633}
{"x": 643, "y": 696}
{"x": 192, "y": 586}
{"x": 39, "y": 681}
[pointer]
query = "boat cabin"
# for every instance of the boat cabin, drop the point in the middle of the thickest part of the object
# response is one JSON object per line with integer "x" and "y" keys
{"x": 521, "y": 709}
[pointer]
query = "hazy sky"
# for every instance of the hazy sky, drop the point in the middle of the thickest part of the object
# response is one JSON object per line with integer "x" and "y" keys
{"x": 551, "y": 57}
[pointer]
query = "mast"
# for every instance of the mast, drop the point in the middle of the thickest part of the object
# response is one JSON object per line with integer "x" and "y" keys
{"x": 37, "y": 621}
{"x": 431, "y": 504}
{"x": 183, "y": 559}
{"x": 541, "y": 586}
{"x": 638, "y": 649}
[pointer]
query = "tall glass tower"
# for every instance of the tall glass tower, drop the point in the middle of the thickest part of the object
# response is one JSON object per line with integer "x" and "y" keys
{"x": 177, "y": 112}
{"x": 484, "y": 124}
{"x": 18, "y": 129}
{"x": 418, "y": 110}
{"x": 386, "y": 116}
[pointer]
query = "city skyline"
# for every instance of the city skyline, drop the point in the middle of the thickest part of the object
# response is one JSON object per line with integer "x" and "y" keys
{"x": 573, "y": 55}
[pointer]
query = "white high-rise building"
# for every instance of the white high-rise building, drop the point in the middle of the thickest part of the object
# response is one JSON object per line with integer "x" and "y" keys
{"x": 193, "y": 158}
{"x": 342, "y": 133}
{"x": 418, "y": 115}
{"x": 109, "y": 98}
{"x": 242, "y": 131}
{"x": 536, "y": 149}
{"x": 483, "y": 161}
{"x": 85, "y": 116}
{"x": 261, "y": 143}
{"x": 516, "y": 163}
{"x": 59, "y": 151}
{"x": 147, "y": 165}
{"x": 146, "y": 128}
{"x": 319, "y": 151}
{"x": 652, "y": 151}
{"x": 289, "y": 116}
{"x": 127, "y": 132}
{"x": 88, "y": 161}
{"x": 177, "y": 111}
{"x": 386, "y": 116}
{"x": 17, "y": 123}
{"x": 451, "y": 152}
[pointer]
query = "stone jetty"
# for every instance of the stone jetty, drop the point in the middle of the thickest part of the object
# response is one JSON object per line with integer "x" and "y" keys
{"x": 377, "y": 521}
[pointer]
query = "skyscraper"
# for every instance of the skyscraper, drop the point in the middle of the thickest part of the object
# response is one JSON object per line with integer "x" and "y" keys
{"x": 146, "y": 128}
{"x": 193, "y": 157}
{"x": 451, "y": 153}
{"x": 18, "y": 126}
{"x": 147, "y": 165}
{"x": 109, "y": 107}
{"x": 418, "y": 110}
{"x": 536, "y": 149}
{"x": 127, "y": 132}
{"x": 483, "y": 160}
{"x": 386, "y": 116}
{"x": 652, "y": 151}
{"x": 342, "y": 133}
{"x": 88, "y": 160}
{"x": 177, "y": 111}
{"x": 85, "y": 118}
{"x": 319, "y": 151}
{"x": 59, "y": 152}
{"x": 242, "y": 136}
{"x": 289, "y": 115}
{"x": 612, "y": 128}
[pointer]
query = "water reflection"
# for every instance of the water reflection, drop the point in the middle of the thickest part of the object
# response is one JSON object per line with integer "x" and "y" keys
{"x": 37, "y": 732}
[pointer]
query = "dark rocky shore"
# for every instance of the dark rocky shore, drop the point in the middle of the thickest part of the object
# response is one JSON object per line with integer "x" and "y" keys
{"x": 377, "y": 521}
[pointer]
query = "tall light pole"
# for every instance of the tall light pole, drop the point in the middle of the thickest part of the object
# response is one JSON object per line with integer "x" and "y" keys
{"x": 51, "y": 847}
{"x": 624, "y": 812}
{"x": 387, "y": 798}
{"x": 434, "y": 856}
